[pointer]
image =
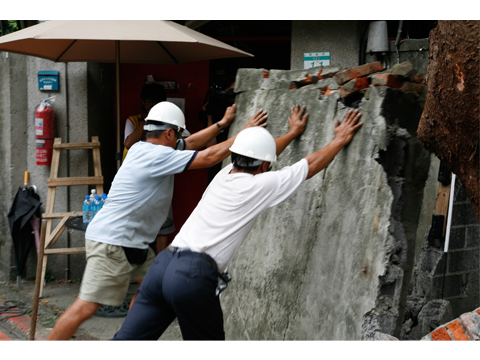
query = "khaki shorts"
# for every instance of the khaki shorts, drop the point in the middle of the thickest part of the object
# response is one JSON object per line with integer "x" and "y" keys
{"x": 108, "y": 273}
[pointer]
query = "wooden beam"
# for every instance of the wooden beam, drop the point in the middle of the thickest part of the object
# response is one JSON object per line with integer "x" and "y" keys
{"x": 38, "y": 280}
{"x": 443, "y": 197}
{"x": 62, "y": 215}
{"x": 55, "y": 234}
{"x": 77, "y": 146}
{"x": 72, "y": 181}
{"x": 65, "y": 251}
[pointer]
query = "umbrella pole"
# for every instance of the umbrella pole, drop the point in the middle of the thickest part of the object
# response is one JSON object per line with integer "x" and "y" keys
{"x": 38, "y": 279}
{"x": 26, "y": 175}
{"x": 117, "y": 74}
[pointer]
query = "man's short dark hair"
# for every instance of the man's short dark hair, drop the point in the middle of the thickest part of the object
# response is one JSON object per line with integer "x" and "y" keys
{"x": 155, "y": 134}
{"x": 244, "y": 163}
{"x": 153, "y": 91}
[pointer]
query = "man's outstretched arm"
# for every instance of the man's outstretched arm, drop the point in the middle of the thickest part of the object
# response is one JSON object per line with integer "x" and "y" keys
{"x": 344, "y": 133}
{"x": 216, "y": 153}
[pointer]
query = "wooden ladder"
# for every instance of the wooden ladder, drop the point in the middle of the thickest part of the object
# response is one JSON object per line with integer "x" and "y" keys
{"x": 49, "y": 237}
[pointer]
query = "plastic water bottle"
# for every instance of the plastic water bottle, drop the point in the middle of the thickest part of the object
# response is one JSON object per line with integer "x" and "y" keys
{"x": 104, "y": 199}
{"x": 92, "y": 195}
{"x": 97, "y": 205}
{"x": 87, "y": 210}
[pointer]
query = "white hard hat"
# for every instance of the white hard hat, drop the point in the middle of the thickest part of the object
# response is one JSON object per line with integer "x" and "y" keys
{"x": 256, "y": 143}
{"x": 167, "y": 113}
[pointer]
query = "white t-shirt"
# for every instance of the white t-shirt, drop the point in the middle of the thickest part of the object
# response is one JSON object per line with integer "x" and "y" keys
{"x": 230, "y": 206}
{"x": 140, "y": 196}
{"x": 129, "y": 128}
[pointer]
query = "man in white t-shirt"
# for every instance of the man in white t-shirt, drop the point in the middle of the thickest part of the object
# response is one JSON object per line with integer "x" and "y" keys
{"x": 184, "y": 279}
{"x": 117, "y": 240}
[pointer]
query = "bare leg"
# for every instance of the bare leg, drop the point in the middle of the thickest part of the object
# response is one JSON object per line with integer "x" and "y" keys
{"x": 69, "y": 322}
{"x": 161, "y": 243}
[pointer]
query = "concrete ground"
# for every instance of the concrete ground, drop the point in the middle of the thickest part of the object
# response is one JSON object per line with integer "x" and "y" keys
{"x": 57, "y": 298}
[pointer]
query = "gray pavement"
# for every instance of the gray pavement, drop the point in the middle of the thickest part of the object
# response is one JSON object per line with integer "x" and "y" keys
{"x": 58, "y": 296}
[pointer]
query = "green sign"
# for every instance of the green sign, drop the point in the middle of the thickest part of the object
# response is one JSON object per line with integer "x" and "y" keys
{"x": 312, "y": 59}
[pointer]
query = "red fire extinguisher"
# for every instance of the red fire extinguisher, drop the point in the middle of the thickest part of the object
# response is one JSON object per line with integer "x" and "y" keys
{"x": 45, "y": 131}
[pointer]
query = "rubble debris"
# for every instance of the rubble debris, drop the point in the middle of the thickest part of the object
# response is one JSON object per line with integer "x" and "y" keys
{"x": 348, "y": 82}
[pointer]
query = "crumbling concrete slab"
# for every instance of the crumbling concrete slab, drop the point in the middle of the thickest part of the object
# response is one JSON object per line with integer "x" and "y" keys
{"x": 311, "y": 267}
{"x": 328, "y": 263}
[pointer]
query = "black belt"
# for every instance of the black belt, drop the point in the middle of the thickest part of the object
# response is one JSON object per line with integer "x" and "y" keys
{"x": 205, "y": 256}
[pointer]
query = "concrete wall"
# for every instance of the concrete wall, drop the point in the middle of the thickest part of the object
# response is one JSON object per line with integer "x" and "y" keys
{"x": 328, "y": 263}
{"x": 76, "y": 105}
{"x": 20, "y": 96}
{"x": 13, "y": 136}
{"x": 462, "y": 276}
{"x": 341, "y": 38}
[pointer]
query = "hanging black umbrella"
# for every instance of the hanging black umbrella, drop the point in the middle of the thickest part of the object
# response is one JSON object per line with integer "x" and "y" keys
{"x": 25, "y": 205}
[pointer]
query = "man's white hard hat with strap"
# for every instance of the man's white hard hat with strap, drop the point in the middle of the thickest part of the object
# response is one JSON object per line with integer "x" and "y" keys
{"x": 168, "y": 114}
{"x": 256, "y": 143}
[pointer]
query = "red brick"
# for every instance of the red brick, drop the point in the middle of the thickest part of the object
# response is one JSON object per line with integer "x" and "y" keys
{"x": 343, "y": 76}
{"x": 266, "y": 74}
{"x": 362, "y": 83}
{"x": 3, "y": 336}
{"x": 440, "y": 335}
{"x": 471, "y": 323}
{"x": 326, "y": 75}
{"x": 457, "y": 331}
{"x": 420, "y": 79}
{"x": 389, "y": 80}
{"x": 410, "y": 87}
{"x": 354, "y": 85}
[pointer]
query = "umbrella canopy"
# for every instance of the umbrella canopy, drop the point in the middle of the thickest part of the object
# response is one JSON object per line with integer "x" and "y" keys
{"x": 119, "y": 41}
{"x": 25, "y": 205}
{"x": 145, "y": 41}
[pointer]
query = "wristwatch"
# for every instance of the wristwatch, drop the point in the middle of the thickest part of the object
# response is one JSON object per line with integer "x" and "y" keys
{"x": 220, "y": 128}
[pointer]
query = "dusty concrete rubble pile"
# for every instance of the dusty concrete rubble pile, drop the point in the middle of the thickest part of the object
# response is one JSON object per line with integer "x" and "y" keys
{"x": 452, "y": 276}
{"x": 464, "y": 328}
{"x": 329, "y": 262}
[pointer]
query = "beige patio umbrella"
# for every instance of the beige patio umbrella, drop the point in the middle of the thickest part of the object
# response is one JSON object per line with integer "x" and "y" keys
{"x": 119, "y": 41}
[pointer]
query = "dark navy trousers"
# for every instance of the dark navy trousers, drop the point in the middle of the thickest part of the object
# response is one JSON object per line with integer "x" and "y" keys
{"x": 177, "y": 284}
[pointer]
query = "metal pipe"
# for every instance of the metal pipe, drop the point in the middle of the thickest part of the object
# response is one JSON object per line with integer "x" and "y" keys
{"x": 399, "y": 31}
{"x": 67, "y": 137}
{"x": 450, "y": 211}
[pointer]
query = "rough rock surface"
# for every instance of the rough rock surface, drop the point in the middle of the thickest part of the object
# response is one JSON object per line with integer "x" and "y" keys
{"x": 450, "y": 125}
